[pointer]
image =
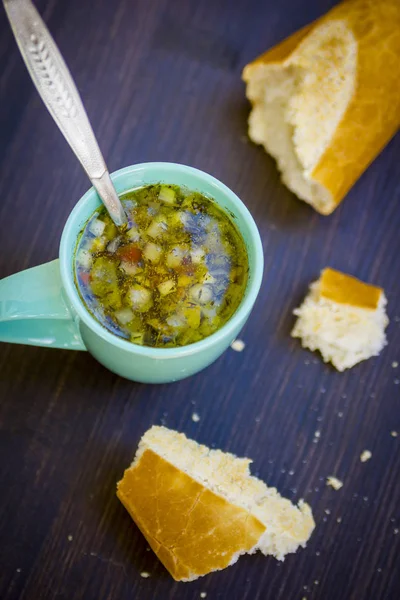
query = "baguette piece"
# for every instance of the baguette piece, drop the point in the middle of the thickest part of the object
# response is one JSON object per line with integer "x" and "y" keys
{"x": 326, "y": 100}
{"x": 200, "y": 509}
{"x": 343, "y": 318}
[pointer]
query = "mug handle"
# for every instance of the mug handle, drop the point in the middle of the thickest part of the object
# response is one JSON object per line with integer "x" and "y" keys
{"x": 33, "y": 310}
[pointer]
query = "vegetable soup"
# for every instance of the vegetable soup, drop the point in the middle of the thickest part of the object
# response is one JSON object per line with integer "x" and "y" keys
{"x": 172, "y": 277}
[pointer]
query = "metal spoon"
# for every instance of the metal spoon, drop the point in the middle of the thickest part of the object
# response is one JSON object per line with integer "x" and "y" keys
{"x": 55, "y": 85}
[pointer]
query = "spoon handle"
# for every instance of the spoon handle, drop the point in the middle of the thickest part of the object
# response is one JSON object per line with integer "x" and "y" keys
{"x": 57, "y": 89}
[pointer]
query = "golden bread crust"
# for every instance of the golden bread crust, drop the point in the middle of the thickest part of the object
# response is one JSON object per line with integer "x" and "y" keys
{"x": 192, "y": 530}
{"x": 345, "y": 289}
{"x": 372, "y": 115}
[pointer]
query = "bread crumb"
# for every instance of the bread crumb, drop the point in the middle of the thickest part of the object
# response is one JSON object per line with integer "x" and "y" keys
{"x": 70, "y": 538}
{"x": 316, "y": 582}
{"x": 203, "y": 595}
{"x": 18, "y": 570}
{"x": 335, "y": 483}
{"x": 195, "y": 417}
{"x": 395, "y": 364}
{"x": 317, "y": 435}
{"x": 395, "y": 531}
{"x": 339, "y": 520}
{"x": 145, "y": 574}
{"x": 396, "y": 381}
{"x": 365, "y": 498}
{"x": 365, "y": 455}
{"x": 327, "y": 511}
{"x": 340, "y": 415}
{"x": 238, "y": 345}
{"x": 394, "y": 433}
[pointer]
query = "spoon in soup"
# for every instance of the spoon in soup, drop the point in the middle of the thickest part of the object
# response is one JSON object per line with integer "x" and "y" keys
{"x": 57, "y": 89}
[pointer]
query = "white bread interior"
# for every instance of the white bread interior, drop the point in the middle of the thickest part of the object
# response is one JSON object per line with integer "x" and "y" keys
{"x": 343, "y": 318}
{"x": 226, "y": 493}
{"x": 298, "y": 104}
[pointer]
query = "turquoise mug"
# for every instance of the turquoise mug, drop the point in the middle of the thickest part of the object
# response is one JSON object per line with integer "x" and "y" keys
{"x": 41, "y": 306}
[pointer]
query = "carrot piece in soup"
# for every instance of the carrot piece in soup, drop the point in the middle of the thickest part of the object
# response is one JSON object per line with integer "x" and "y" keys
{"x": 130, "y": 253}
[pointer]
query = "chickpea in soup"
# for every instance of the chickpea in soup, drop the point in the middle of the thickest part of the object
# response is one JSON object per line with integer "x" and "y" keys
{"x": 174, "y": 276}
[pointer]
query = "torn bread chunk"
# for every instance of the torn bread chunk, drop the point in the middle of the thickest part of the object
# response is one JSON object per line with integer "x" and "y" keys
{"x": 325, "y": 101}
{"x": 343, "y": 318}
{"x": 200, "y": 509}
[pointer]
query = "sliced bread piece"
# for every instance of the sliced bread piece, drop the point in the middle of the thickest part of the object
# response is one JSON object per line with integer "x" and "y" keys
{"x": 200, "y": 509}
{"x": 343, "y": 318}
{"x": 326, "y": 100}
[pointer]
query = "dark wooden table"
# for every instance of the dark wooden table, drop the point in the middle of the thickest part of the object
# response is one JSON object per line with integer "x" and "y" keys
{"x": 161, "y": 81}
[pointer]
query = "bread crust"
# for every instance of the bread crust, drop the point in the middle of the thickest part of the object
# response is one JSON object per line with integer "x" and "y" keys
{"x": 345, "y": 289}
{"x": 192, "y": 530}
{"x": 372, "y": 116}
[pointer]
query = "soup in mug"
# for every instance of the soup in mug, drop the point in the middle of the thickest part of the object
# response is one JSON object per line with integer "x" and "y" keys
{"x": 172, "y": 277}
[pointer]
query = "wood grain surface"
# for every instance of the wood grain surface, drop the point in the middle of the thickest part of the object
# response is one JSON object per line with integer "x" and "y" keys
{"x": 161, "y": 81}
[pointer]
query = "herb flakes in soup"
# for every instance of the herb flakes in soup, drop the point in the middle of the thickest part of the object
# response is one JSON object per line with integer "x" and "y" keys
{"x": 172, "y": 277}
